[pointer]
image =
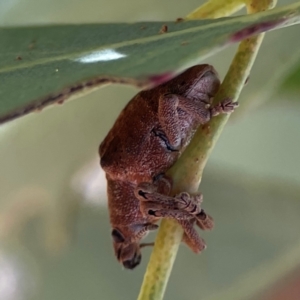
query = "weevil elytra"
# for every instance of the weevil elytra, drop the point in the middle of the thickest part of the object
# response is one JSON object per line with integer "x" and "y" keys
{"x": 146, "y": 140}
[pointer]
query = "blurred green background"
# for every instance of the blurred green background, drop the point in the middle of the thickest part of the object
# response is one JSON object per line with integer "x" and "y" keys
{"x": 54, "y": 231}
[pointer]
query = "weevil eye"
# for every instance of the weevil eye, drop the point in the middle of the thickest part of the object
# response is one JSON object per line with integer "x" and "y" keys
{"x": 117, "y": 236}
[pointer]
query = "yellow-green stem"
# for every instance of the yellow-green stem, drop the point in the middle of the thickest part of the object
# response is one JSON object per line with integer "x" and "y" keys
{"x": 187, "y": 172}
{"x": 214, "y": 9}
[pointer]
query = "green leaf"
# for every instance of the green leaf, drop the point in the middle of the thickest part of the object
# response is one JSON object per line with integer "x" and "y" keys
{"x": 42, "y": 65}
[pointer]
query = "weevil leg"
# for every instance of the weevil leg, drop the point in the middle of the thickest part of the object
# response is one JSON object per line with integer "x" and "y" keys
{"x": 147, "y": 193}
{"x": 184, "y": 208}
{"x": 224, "y": 107}
{"x": 202, "y": 110}
{"x": 190, "y": 237}
{"x": 168, "y": 115}
{"x": 204, "y": 221}
{"x": 152, "y": 209}
{"x": 199, "y": 108}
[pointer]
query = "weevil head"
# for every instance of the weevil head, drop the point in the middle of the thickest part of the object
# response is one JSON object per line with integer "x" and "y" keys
{"x": 127, "y": 249}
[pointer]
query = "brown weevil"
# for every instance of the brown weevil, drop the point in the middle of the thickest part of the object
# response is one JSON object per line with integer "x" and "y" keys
{"x": 146, "y": 140}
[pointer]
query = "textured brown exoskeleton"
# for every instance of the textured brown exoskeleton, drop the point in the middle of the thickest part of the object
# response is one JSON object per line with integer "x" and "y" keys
{"x": 146, "y": 140}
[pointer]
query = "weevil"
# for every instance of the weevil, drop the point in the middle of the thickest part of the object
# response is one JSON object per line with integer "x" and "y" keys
{"x": 147, "y": 138}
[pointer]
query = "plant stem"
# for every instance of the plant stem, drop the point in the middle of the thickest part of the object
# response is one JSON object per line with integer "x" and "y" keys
{"x": 214, "y": 9}
{"x": 187, "y": 172}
